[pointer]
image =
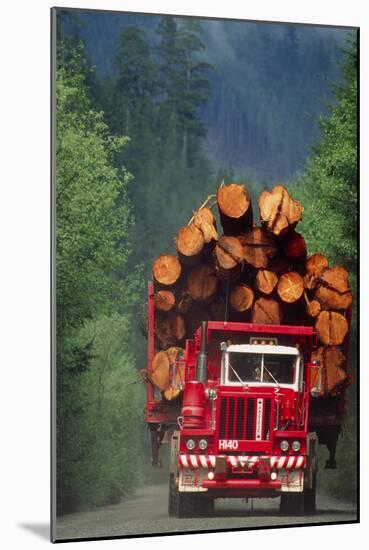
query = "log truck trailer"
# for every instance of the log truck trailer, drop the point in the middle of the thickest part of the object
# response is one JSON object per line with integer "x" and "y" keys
{"x": 250, "y": 419}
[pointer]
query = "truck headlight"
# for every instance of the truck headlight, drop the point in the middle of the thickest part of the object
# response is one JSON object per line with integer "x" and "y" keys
{"x": 190, "y": 444}
{"x": 203, "y": 444}
{"x": 284, "y": 445}
{"x": 296, "y": 446}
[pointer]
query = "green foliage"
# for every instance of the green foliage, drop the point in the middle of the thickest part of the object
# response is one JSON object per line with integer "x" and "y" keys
{"x": 97, "y": 415}
{"x": 328, "y": 190}
{"x": 100, "y": 455}
{"x": 328, "y": 186}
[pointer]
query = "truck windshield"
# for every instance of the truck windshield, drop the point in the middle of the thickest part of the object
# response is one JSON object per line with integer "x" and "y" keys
{"x": 257, "y": 367}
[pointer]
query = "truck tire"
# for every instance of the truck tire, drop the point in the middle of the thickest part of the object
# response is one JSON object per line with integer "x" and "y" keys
{"x": 310, "y": 498}
{"x": 172, "y": 497}
{"x": 292, "y": 504}
{"x": 194, "y": 505}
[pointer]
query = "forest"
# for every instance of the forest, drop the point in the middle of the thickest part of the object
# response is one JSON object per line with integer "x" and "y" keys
{"x": 152, "y": 114}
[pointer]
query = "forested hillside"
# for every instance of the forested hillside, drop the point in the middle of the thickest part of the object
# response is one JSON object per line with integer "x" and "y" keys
{"x": 173, "y": 106}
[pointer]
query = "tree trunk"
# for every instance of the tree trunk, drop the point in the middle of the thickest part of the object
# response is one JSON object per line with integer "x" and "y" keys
{"x": 229, "y": 255}
{"x": 164, "y": 300}
{"x": 316, "y": 264}
{"x": 166, "y": 270}
{"x": 202, "y": 283}
{"x": 266, "y": 281}
{"x": 266, "y": 311}
{"x": 278, "y": 210}
{"x": 331, "y": 359}
{"x": 204, "y": 220}
{"x": 241, "y": 298}
{"x": 331, "y": 327}
{"x": 313, "y": 308}
{"x": 170, "y": 328}
{"x": 235, "y": 208}
{"x": 294, "y": 246}
{"x": 336, "y": 278}
{"x": 290, "y": 287}
{"x": 258, "y": 247}
{"x": 190, "y": 245}
{"x": 331, "y": 299}
{"x": 184, "y": 302}
{"x": 160, "y": 370}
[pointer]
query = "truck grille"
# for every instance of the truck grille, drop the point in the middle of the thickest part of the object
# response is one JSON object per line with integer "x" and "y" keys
{"x": 246, "y": 418}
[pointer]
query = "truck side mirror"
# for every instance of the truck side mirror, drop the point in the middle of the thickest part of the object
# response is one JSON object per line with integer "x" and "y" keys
{"x": 223, "y": 346}
{"x": 318, "y": 387}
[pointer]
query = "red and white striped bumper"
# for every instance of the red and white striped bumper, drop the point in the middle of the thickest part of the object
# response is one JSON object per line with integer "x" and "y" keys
{"x": 251, "y": 462}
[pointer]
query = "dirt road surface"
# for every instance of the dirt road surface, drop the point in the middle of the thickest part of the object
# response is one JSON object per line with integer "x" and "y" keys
{"x": 146, "y": 513}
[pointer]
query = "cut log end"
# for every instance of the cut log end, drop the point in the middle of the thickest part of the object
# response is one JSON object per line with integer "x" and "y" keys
{"x": 331, "y": 328}
{"x": 190, "y": 241}
{"x": 204, "y": 220}
{"x": 266, "y": 281}
{"x": 290, "y": 287}
{"x": 233, "y": 200}
{"x": 259, "y": 247}
{"x": 266, "y": 311}
{"x": 241, "y": 298}
{"x": 316, "y": 264}
{"x": 313, "y": 308}
{"x": 278, "y": 210}
{"x": 166, "y": 270}
{"x": 164, "y": 300}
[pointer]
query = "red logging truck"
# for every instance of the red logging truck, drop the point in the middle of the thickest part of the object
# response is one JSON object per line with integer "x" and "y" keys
{"x": 249, "y": 422}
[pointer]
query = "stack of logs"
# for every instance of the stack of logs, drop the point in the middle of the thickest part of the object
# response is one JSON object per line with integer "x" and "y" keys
{"x": 250, "y": 274}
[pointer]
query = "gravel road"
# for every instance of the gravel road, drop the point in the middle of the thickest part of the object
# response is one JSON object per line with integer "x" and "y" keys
{"x": 146, "y": 513}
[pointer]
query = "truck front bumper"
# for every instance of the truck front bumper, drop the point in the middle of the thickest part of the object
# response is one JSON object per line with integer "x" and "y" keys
{"x": 241, "y": 475}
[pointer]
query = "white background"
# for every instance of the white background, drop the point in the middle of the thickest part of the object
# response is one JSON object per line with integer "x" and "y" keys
{"x": 24, "y": 268}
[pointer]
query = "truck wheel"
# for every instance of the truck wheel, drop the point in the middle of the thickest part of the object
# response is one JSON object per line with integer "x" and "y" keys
{"x": 188, "y": 505}
{"x": 292, "y": 504}
{"x": 310, "y": 498}
{"x": 172, "y": 497}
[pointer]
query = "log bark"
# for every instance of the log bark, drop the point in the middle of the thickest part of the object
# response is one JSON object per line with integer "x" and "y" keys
{"x": 266, "y": 311}
{"x": 331, "y": 299}
{"x": 229, "y": 257}
{"x": 241, "y": 298}
{"x": 202, "y": 283}
{"x": 266, "y": 281}
{"x": 278, "y": 210}
{"x": 316, "y": 264}
{"x": 235, "y": 208}
{"x": 160, "y": 370}
{"x": 175, "y": 354}
{"x": 279, "y": 265}
{"x": 331, "y": 359}
{"x": 194, "y": 317}
{"x": 204, "y": 220}
{"x": 184, "y": 302}
{"x": 217, "y": 309}
{"x": 336, "y": 278}
{"x": 164, "y": 300}
{"x": 290, "y": 287}
{"x": 331, "y": 328}
{"x": 294, "y": 246}
{"x": 258, "y": 247}
{"x": 166, "y": 270}
{"x": 170, "y": 328}
{"x": 310, "y": 282}
{"x": 190, "y": 244}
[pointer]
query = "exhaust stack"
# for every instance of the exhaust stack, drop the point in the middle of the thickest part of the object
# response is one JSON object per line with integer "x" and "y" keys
{"x": 202, "y": 356}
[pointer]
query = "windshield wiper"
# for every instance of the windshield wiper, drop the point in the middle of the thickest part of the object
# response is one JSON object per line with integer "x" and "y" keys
{"x": 271, "y": 376}
{"x": 242, "y": 381}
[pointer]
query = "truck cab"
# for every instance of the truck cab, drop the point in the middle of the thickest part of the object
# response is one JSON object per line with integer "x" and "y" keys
{"x": 244, "y": 420}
